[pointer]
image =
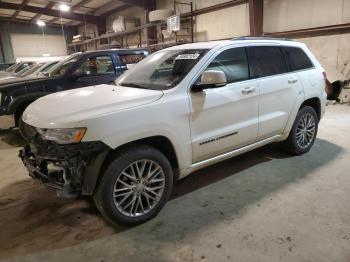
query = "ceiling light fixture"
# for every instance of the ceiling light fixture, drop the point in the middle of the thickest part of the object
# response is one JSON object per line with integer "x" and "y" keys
{"x": 40, "y": 23}
{"x": 64, "y": 7}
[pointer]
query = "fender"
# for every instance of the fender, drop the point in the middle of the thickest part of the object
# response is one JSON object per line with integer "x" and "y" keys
{"x": 92, "y": 173}
{"x": 298, "y": 102}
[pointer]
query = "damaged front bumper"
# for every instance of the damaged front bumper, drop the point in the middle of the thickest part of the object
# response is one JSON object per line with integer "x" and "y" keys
{"x": 71, "y": 170}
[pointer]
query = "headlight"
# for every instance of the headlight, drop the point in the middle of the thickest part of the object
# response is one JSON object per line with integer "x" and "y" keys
{"x": 63, "y": 135}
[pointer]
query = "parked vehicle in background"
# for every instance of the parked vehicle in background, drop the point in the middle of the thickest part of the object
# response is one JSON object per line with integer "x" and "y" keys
{"x": 78, "y": 70}
{"x": 180, "y": 109}
{"x": 15, "y": 69}
{"x": 31, "y": 71}
{"x": 38, "y": 70}
{"x": 4, "y": 66}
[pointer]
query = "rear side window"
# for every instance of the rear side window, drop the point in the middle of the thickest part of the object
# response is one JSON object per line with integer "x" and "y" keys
{"x": 296, "y": 59}
{"x": 266, "y": 61}
{"x": 130, "y": 59}
{"x": 233, "y": 62}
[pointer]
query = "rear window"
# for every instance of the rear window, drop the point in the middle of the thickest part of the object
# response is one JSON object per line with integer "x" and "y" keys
{"x": 266, "y": 61}
{"x": 296, "y": 59}
{"x": 130, "y": 59}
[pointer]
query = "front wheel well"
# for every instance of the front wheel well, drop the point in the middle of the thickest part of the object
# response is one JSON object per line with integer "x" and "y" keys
{"x": 315, "y": 103}
{"x": 161, "y": 143}
{"x": 19, "y": 111}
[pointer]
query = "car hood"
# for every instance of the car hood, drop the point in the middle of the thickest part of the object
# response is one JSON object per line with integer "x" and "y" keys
{"x": 4, "y": 74}
{"x": 66, "y": 109}
{"x": 10, "y": 83}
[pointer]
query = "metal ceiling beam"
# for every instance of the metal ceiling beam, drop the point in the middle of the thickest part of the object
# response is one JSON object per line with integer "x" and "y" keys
{"x": 313, "y": 31}
{"x": 48, "y": 6}
{"x": 72, "y": 9}
{"x": 24, "y": 2}
{"x": 116, "y": 10}
{"x": 134, "y": 2}
{"x": 50, "y": 12}
{"x": 113, "y": 5}
{"x": 23, "y": 21}
{"x": 215, "y": 8}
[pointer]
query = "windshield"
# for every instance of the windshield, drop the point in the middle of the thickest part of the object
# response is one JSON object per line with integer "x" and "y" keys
{"x": 162, "y": 70}
{"x": 60, "y": 68}
{"x": 24, "y": 70}
{"x": 48, "y": 66}
{"x": 11, "y": 68}
{"x": 29, "y": 70}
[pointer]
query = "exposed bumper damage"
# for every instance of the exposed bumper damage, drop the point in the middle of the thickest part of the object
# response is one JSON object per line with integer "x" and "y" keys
{"x": 70, "y": 169}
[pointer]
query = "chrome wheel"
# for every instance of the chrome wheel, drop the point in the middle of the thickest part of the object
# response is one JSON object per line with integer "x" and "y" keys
{"x": 306, "y": 130}
{"x": 139, "y": 188}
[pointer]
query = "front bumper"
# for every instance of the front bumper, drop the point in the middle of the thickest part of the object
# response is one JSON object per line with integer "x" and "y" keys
{"x": 63, "y": 167}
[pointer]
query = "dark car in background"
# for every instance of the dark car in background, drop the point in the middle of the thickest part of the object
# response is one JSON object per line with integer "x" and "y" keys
{"x": 32, "y": 71}
{"x": 78, "y": 70}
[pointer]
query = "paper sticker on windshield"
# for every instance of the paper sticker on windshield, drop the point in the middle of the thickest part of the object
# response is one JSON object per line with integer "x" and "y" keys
{"x": 187, "y": 56}
{"x": 129, "y": 66}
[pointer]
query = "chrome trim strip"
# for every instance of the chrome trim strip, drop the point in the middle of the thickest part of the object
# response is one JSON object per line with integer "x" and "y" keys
{"x": 228, "y": 155}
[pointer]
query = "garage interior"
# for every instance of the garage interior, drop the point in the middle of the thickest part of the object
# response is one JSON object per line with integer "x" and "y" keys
{"x": 264, "y": 205}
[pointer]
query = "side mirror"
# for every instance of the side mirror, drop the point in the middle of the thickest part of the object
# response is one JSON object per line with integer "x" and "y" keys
{"x": 211, "y": 79}
{"x": 46, "y": 74}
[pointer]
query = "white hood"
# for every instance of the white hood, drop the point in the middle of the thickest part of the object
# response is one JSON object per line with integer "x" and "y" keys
{"x": 68, "y": 108}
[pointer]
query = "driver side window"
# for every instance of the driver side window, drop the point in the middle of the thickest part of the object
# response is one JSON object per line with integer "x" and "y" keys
{"x": 98, "y": 65}
{"x": 233, "y": 62}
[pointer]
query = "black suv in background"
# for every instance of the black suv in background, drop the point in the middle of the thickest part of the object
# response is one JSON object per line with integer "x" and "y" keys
{"x": 78, "y": 70}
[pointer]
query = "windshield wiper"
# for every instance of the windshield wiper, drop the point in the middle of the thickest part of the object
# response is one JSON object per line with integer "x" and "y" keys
{"x": 132, "y": 85}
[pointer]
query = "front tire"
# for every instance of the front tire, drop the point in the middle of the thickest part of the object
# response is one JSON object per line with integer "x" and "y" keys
{"x": 135, "y": 186}
{"x": 304, "y": 131}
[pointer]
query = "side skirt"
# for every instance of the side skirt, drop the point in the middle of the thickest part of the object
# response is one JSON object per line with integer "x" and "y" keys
{"x": 227, "y": 155}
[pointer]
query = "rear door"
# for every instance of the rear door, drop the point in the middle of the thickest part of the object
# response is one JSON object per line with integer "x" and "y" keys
{"x": 278, "y": 88}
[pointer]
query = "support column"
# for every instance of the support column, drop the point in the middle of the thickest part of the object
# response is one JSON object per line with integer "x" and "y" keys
{"x": 256, "y": 17}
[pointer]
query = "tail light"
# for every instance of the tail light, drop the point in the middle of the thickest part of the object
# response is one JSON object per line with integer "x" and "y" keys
{"x": 324, "y": 76}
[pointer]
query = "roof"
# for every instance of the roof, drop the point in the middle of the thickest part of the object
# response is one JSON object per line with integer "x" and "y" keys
{"x": 200, "y": 45}
{"x": 240, "y": 40}
{"x": 126, "y": 50}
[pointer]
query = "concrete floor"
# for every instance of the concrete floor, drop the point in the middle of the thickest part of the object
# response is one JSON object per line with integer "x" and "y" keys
{"x": 261, "y": 206}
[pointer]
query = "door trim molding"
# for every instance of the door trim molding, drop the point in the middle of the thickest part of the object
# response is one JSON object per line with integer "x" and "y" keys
{"x": 228, "y": 155}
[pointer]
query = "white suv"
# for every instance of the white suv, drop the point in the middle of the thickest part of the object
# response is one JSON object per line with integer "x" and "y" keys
{"x": 180, "y": 109}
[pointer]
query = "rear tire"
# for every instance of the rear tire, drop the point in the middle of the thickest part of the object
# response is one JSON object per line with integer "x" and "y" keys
{"x": 303, "y": 133}
{"x": 129, "y": 193}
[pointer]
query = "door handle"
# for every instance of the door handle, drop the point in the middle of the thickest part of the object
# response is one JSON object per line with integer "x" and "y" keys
{"x": 248, "y": 90}
{"x": 292, "y": 80}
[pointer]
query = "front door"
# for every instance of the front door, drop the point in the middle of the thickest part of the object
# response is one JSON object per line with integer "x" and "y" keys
{"x": 225, "y": 118}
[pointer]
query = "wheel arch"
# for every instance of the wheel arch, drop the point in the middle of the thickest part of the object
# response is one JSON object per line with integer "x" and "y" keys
{"x": 162, "y": 143}
{"x": 94, "y": 172}
{"x": 315, "y": 103}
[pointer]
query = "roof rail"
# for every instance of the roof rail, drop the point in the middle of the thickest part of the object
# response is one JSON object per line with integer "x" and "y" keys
{"x": 260, "y": 38}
